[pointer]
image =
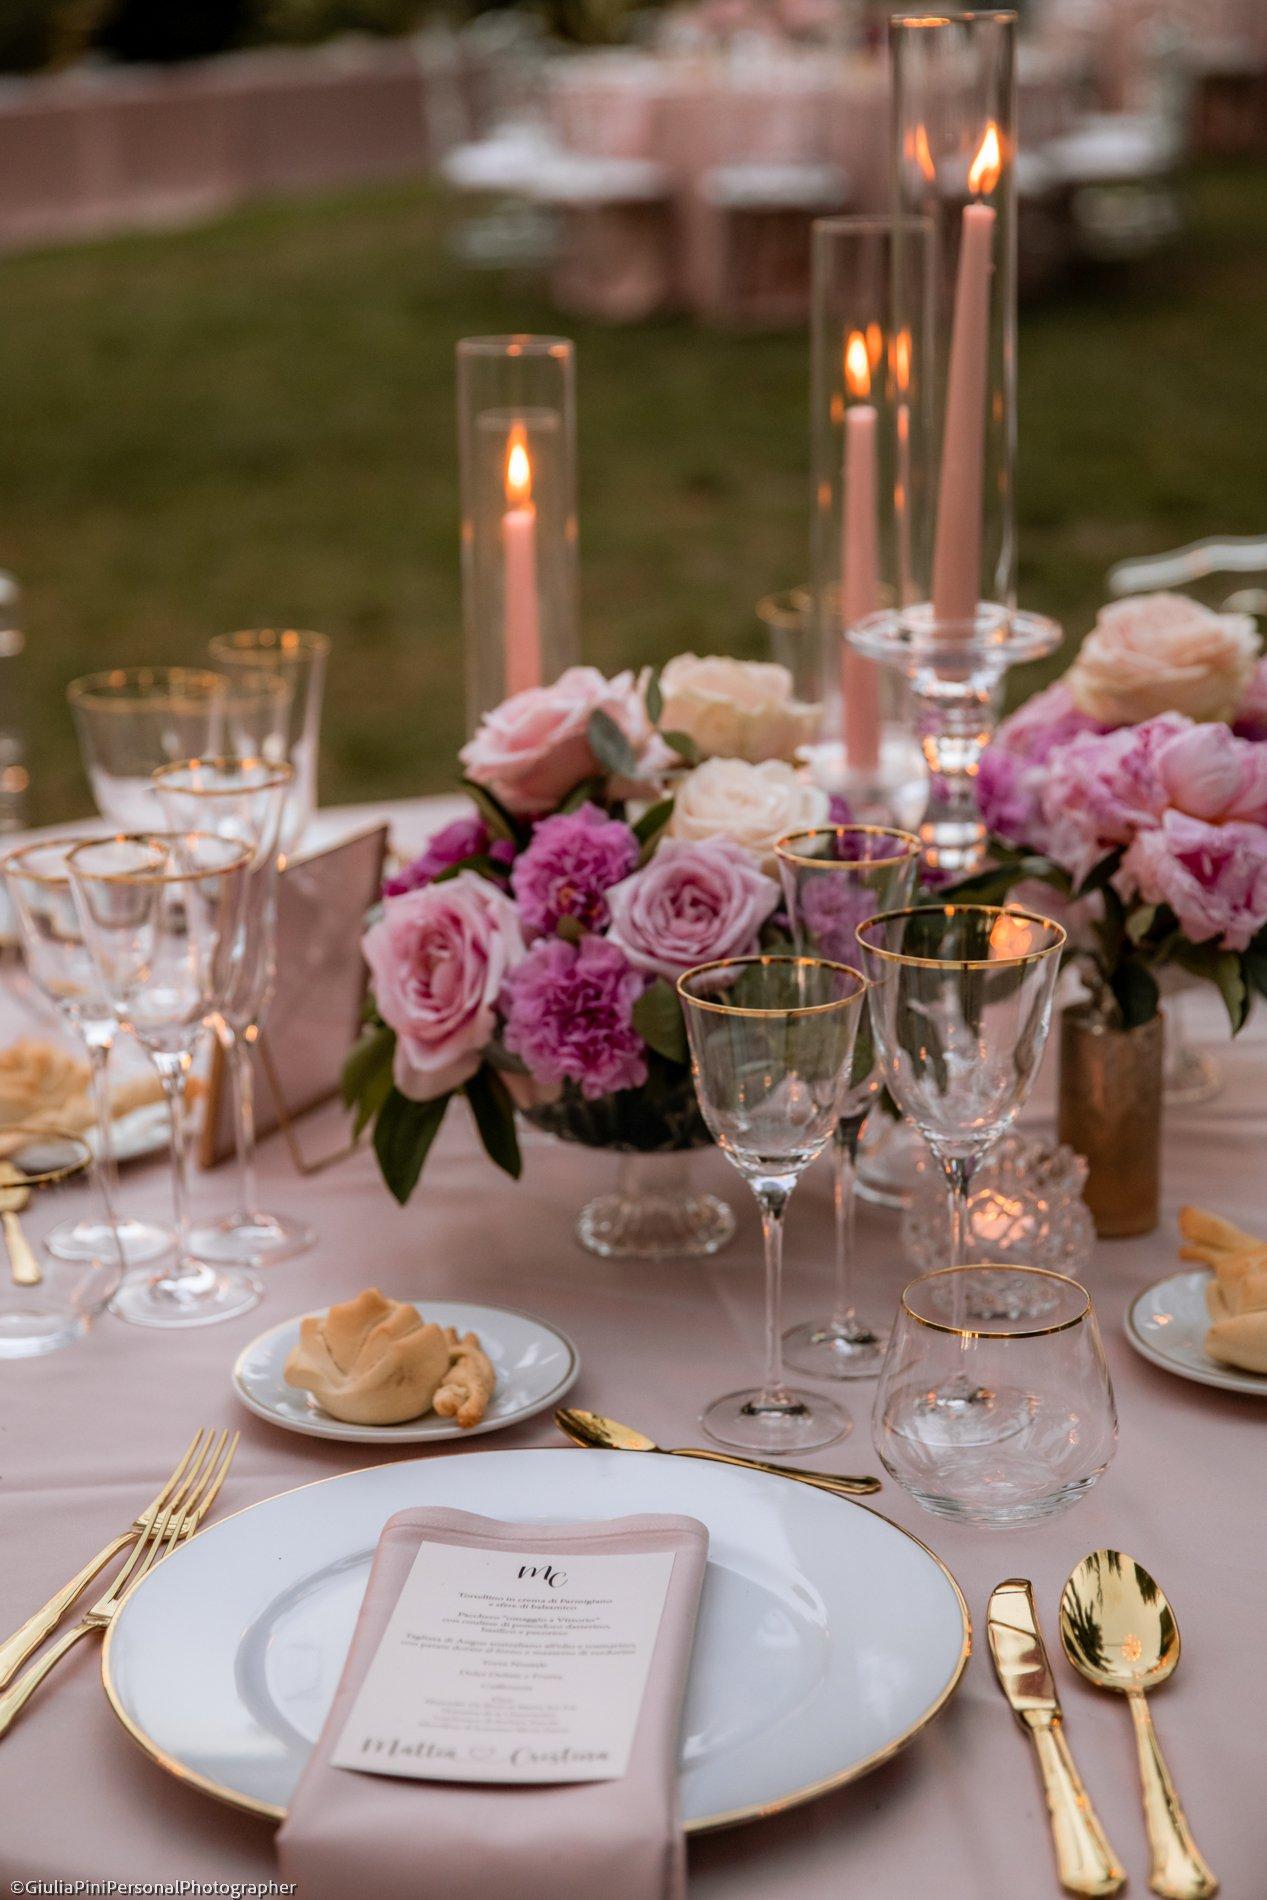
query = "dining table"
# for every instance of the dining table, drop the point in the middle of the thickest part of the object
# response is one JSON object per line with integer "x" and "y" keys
{"x": 87, "y": 1434}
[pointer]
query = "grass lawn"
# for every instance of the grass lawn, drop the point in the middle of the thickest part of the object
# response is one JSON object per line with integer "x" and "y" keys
{"x": 253, "y": 423}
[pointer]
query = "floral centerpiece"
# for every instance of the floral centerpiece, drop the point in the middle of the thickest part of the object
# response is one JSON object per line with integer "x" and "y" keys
{"x": 622, "y": 831}
{"x": 1135, "y": 788}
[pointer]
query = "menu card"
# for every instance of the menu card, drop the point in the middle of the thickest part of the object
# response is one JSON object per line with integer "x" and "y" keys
{"x": 503, "y": 1666}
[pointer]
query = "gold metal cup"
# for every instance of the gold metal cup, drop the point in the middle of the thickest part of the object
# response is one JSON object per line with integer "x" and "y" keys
{"x": 1110, "y": 1111}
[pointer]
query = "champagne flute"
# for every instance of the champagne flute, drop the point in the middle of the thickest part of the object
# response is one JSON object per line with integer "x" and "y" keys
{"x": 834, "y": 877}
{"x": 298, "y": 660}
{"x": 242, "y": 799}
{"x": 60, "y": 964}
{"x": 960, "y": 1003}
{"x": 771, "y": 1040}
{"x": 162, "y": 917}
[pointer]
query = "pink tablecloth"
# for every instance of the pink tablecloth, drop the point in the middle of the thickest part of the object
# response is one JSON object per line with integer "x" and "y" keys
{"x": 86, "y": 1434}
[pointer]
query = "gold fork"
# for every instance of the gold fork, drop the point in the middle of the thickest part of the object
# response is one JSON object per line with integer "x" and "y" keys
{"x": 25, "y": 1641}
{"x": 177, "y": 1520}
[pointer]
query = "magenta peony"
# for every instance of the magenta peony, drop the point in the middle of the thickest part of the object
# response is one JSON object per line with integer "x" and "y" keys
{"x": 569, "y": 1016}
{"x": 1214, "y": 877}
{"x": 439, "y": 958}
{"x": 533, "y": 749}
{"x": 464, "y": 838}
{"x": 570, "y": 865}
{"x": 690, "y": 904}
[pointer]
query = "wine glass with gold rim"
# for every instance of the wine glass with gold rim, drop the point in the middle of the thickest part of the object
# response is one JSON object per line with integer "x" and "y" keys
{"x": 771, "y": 1040}
{"x": 834, "y": 877}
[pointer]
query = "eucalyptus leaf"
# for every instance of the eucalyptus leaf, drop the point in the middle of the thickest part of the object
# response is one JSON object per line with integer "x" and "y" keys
{"x": 683, "y": 744}
{"x": 654, "y": 698}
{"x": 610, "y": 746}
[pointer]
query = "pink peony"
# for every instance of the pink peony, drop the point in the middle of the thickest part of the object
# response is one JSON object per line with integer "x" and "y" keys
{"x": 533, "y": 749}
{"x": 1209, "y": 774}
{"x": 439, "y": 957}
{"x": 1101, "y": 788}
{"x": 690, "y": 904}
{"x": 1214, "y": 877}
{"x": 1012, "y": 772}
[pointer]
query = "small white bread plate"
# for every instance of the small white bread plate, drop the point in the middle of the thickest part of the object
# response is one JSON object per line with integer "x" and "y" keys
{"x": 827, "y": 1636}
{"x": 535, "y": 1366}
{"x": 1168, "y": 1324}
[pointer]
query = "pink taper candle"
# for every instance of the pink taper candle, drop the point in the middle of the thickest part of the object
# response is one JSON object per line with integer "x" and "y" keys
{"x": 957, "y": 546}
{"x": 860, "y": 579}
{"x": 522, "y": 622}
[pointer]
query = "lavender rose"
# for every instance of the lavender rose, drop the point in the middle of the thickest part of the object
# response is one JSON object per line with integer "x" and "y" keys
{"x": 1214, "y": 877}
{"x": 690, "y": 904}
{"x": 439, "y": 958}
{"x": 569, "y": 1016}
{"x": 534, "y": 748}
{"x": 570, "y": 865}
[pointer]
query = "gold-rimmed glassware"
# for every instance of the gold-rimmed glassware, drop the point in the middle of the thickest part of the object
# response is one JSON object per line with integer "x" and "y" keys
{"x": 162, "y": 916}
{"x": 960, "y": 1006}
{"x": 48, "y": 1299}
{"x": 834, "y": 877}
{"x": 1045, "y": 1425}
{"x": 59, "y": 963}
{"x": 242, "y": 799}
{"x": 297, "y": 657}
{"x": 771, "y": 1039}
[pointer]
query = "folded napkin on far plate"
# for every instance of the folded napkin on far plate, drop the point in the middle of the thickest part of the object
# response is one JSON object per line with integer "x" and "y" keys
{"x": 398, "y": 1839}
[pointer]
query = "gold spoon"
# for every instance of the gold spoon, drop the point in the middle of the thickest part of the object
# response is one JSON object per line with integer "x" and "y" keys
{"x": 14, "y": 1195}
{"x": 607, "y": 1434}
{"x": 1120, "y": 1633}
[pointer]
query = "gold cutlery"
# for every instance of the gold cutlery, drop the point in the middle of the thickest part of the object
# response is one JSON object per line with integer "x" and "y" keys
{"x": 608, "y": 1434}
{"x": 1085, "y": 1862}
{"x": 173, "y": 1516}
{"x": 14, "y": 1195}
{"x": 1120, "y": 1632}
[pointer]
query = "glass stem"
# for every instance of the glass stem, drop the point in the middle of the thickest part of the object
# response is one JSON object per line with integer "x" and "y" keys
{"x": 959, "y": 1171}
{"x": 99, "y": 1043}
{"x": 239, "y": 1054}
{"x": 173, "y": 1072}
{"x": 773, "y": 1199}
{"x": 844, "y": 1154}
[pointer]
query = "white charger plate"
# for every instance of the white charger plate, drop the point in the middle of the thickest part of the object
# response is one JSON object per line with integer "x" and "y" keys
{"x": 1168, "y": 1324}
{"x": 535, "y": 1365}
{"x": 827, "y": 1637}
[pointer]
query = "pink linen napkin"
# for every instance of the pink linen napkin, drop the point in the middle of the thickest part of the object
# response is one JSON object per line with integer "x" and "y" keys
{"x": 400, "y": 1839}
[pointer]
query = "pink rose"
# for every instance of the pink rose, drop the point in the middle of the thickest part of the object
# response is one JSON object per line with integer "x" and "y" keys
{"x": 439, "y": 957}
{"x": 1209, "y": 774}
{"x": 1158, "y": 653}
{"x": 533, "y": 749}
{"x": 1214, "y": 877}
{"x": 690, "y": 904}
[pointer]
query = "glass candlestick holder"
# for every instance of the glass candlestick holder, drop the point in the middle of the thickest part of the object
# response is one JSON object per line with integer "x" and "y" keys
{"x": 517, "y": 454}
{"x": 860, "y": 451}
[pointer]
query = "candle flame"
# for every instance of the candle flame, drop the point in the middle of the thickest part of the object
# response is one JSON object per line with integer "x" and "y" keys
{"x": 987, "y": 167}
{"x": 902, "y": 359}
{"x": 875, "y": 346}
{"x": 1010, "y": 936}
{"x": 918, "y": 149}
{"x": 857, "y": 365}
{"x": 518, "y": 469}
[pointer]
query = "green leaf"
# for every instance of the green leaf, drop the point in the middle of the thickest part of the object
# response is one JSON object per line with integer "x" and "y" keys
{"x": 480, "y": 862}
{"x": 610, "y": 746}
{"x": 492, "y": 811}
{"x": 1230, "y": 981}
{"x": 657, "y": 1016}
{"x": 654, "y": 698}
{"x": 683, "y": 745}
{"x": 1254, "y": 966}
{"x": 368, "y": 1059}
{"x": 494, "y": 1113}
{"x": 1140, "y": 922}
{"x": 372, "y": 1098}
{"x": 1099, "y": 876}
{"x": 589, "y": 788}
{"x": 403, "y": 1135}
{"x": 1135, "y": 991}
{"x": 650, "y": 828}
{"x": 993, "y": 884}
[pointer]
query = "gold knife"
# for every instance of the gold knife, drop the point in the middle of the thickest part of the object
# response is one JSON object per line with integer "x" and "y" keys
{"x": 1084, "y": 1860}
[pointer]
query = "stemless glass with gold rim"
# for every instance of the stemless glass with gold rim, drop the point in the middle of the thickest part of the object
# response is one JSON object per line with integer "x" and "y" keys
{"x": 960, "y": 1005}
{"x": 834, "y": 877}
{"x": 162, "y": 915}
{"x": 1046, "y": 1428}
{"x": 771, "y": 1040}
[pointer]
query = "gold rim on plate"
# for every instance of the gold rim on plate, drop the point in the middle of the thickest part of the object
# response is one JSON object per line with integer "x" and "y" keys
{"x": 709, "y": 1824}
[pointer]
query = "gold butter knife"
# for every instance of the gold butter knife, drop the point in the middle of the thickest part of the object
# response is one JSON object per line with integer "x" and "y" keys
{"x": 1085, "y": 1862}
{"x": 608, "y": 1434}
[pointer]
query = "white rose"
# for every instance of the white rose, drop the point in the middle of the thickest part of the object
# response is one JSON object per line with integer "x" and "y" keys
{"x": 1158, "y": 653}
{"x": 753, "y": 804}
{"x": 736, "y": 709}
